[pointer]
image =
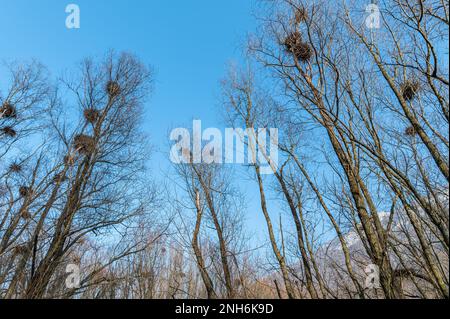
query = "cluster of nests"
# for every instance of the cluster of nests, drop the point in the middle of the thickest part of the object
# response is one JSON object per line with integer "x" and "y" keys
{"x": 85, "y": 144}
{"x": 92, "y": 115}
{"x": 24, "y": 191}
{"x": 409, "y": 90}
{"x": 8, "y": 111}
{"x": 295, "y": 45}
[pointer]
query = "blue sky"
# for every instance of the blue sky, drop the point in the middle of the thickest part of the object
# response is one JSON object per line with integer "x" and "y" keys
{"x": 188, "y": 43}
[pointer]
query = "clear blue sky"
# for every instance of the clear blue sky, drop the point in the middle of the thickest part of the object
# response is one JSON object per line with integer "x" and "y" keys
{"x": 188, "y": 43}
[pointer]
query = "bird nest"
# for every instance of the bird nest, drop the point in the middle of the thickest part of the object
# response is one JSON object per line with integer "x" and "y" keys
{"x": 301, "y": 15}
{"x": 410, "y": 131}
{"x": 91, "y": 115}
{"x": 60, "y": 178}
{"x": 25, "y": 191}
{"x": 7, "y": 110}
{"x": 15, "y": 168}
{"x": 409, "y": 89}
{"x": 25, "y": 215}
{"x": 113, "y": 88}
{"x": 296, "y": 46}
{"x": 291, "y": 41}
{"x": 84, "y": 144}
{"x": 8, "y": 131}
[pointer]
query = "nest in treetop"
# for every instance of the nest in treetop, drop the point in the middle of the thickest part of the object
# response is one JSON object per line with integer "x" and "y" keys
{"x": 25, "y": 214}
{"x": 84, "y": 144}
{"x": 410, "y": 131}
{"x": 8, "y": 111}
{"x": 410, "y": 89}
{"x": 291, "y": 41}
{"x": 294, "y": 44}
{"x": 113, "y": 88}
{"x": 300, "y": 15}
{"x": 60, "y": 178}
{"x": 15, "y": 168}
{"x": 91, "y": 115}
{"x": 24, "y": 191}
{"x": 303, "y": 52}
{"x": 9, "y": 131}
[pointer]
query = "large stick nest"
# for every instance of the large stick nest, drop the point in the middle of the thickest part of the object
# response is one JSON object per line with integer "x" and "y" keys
{"x": 8, "y": 131}
{"x": 84, "y": 144}
{"x": 7, "y": 111}
{"x": 296, "y": 46}
{"x": 409, "y": 89}
{"x": 25, "y": 191}
{"x": 113, "y": 88}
